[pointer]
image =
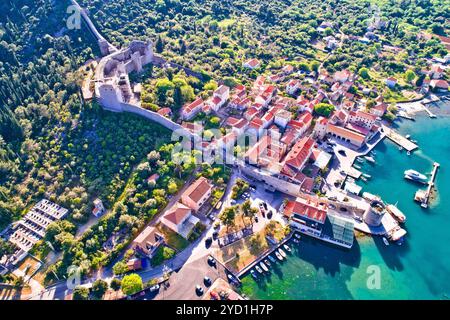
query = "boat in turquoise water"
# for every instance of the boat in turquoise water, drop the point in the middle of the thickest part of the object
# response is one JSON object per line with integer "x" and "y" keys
{"x": 415, "y": 176}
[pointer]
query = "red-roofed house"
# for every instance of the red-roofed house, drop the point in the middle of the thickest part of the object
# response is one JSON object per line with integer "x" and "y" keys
{"x": 197, "y": 194}
{"x": 179, "y": 219}
{"x": 306, "y": 214}
{"x": 439, "y": 85}
{"x": 299, "y": 154}
{"x": 391, "y": 82}
{"x": 342, "y": 76}
{"x": 436, "y": 71}
{"x": 292, "y": 86}
{"x": 379, "y": 110}
{"x": 189, "y": 110}
{"x": 165, "y": 112}
{"x": 362, "y": 118}
{"x": 252, "y": 64}
{"x": 148, "y": 241}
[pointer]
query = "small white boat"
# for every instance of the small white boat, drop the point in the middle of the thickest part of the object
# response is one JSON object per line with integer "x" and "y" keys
{"x": 296, "y": 241}
{"x": 400, "y": 148}
{"x": 297, "y": 235}
{"x": 288, "y": 249}
{"x": 408, "y": 136}
{"x": 386, "y": 242}
{"x": 263, "y": 266}
{"x": 278, "y": 255}
{"x": 368, "y": 176}
{"x": 415, "y": 176}
{"x": 357, "y": 167}
{"x": 413, "y": 141}
{"x": 283, "y": 254}
{"x": 267, "y": 262}
{"x": 359, "y": 160}
{"x": 408, "y": 153}
{"x": 272, "y": 259}
{"x": 370, "y": 159}
{"x": 363, "y": 179}
{"x": 253, "y": 273}
{"x": 373, "y": 153}
{"x": 258, "y": 269}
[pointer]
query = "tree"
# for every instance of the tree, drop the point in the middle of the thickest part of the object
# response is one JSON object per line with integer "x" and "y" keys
{"x": 364, "y": 73}
{"x": 80, "y": 293}
{"x": 131, "y": 284}
{"x": 248, "y": 210}
{"x": 314, "y": 65}
{"x": 324, "y": 109}
{"x": 159, "y": 45}
{"x": 227, "y": 216}
{"x": 409, "y": 76}
{"x": 120, "y": 268}
{"x": 99, "y": 288}
{"x": 163, "y": 86}
{"x": 116, "y": 284}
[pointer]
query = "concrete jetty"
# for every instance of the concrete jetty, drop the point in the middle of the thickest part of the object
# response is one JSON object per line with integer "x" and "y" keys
{"x": 399, "y": 139}
{"x": 426, "y": 196}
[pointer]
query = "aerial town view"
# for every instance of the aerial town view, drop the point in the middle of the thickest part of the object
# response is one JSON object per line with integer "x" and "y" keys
{"x": 224, "y": 150}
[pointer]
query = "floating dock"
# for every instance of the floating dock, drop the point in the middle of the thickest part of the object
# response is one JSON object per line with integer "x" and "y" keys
{"x": 424, "y": 196}
{"x": 399, "y": 139}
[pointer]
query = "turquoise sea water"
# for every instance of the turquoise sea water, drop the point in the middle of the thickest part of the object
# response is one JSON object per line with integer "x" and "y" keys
{"x": 420, "y": 269}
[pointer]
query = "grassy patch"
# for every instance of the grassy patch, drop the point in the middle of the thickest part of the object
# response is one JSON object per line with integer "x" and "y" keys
{"x": 172, "y": 238}
{"x": 162, "y": 254}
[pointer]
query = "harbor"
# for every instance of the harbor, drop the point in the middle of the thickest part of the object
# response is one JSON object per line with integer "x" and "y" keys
{"x": 318, "y": 271}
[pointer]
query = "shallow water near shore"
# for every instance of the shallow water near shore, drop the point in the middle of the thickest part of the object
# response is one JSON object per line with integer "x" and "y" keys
{"x": 419, "y": 269}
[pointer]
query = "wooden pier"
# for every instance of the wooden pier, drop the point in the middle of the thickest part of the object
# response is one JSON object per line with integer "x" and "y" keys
{"x": 399, "y": 139}
{"x": 426, "y": 196}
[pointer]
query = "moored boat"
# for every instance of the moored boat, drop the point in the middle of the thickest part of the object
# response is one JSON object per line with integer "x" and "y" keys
{"x": 396, "y": 213}
{"x": 386, "y": 241}
{"x": 283, "y": 254}
{"x": 368, "y": 176}
{"x": 359, "y": 160}
{"x": 267, "y": 262}
{"x": 263, "y": 266}
{"x": 278, "y": 255}
{"x": 357, "y": 167}
{"x": 363, "y": 179}
{"x": 370, "y": 159}
{"x": 258, "y": 269}
{"x": 415, "y": 176}
{"x": 272, "y": 259}
{"x": 288, "y": 249}
{"x": 253, "y": 273}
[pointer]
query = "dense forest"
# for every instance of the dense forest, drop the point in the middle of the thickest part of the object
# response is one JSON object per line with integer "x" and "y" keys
{"x": 54, "y": 146}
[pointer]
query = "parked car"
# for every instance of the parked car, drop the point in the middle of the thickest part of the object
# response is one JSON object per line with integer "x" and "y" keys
{"x": 154, "y": 288}
{"x": 270, "y": 214}
{"x": 211, "y": 261}
{"x": 199, "y": 290}
{"x": 256, "y": 218}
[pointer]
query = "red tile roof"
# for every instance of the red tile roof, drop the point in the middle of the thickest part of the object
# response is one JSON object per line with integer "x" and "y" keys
{"x": 299, "y": 153}
{"x": 177, "y": 213}
{"x": 307, "y": 208}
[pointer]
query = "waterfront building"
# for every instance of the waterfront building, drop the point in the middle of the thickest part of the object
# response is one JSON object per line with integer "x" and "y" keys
{"x": 312, "y": 217}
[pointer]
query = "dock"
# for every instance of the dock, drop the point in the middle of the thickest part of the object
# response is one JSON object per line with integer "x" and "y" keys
{"x": 430, "y": 114}
{"x": 399, "y": 139}
{"x": 424, "y": 196}
{"x": 405, "y": 115}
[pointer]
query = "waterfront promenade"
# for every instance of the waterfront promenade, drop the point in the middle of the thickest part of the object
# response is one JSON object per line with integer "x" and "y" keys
{"x": 399, "y": 139}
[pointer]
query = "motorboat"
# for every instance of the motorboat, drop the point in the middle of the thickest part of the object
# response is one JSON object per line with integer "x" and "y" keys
{"x": 283, "y": 254}
{"x": 408, "y": 153}
{"x": 359, "y": 160}
{"x": 278, "y": 255}
{"x": 370, "y": 159}
{"x": 386, "y": 241}
{"x": 368, "y": 176}
{"x": 297, "y": 235}
{"x": 288, "y": 249}
{"x": 396, "y": 213}
{"x": 263, "y": 266}
{"x": 408, "y": 136}
{"x": 272, "y": 259}
{"x": 258, "y": 269}
{"x": 357, "y": 167}
{"x": 253, "y": 273}
{"x": 415, "y": 176}
{"x": 400, "y": 148}
{"x": 363, "y": 179}
{"x": 267, "y": 262}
